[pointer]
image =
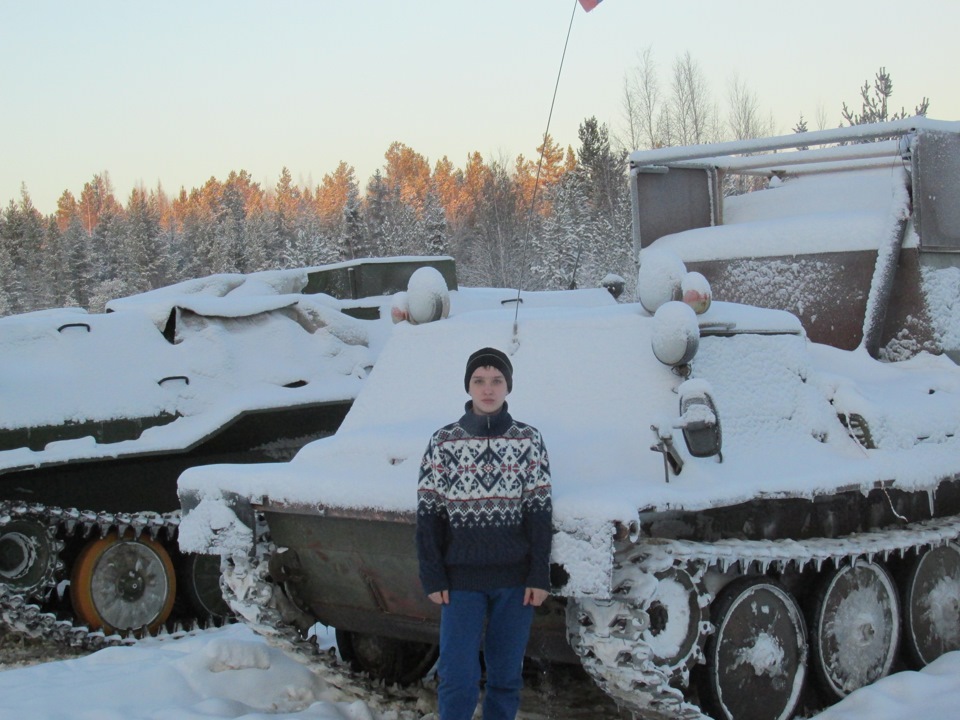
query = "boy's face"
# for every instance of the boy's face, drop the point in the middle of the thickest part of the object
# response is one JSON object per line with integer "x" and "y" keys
{"x": 488, "y": 390}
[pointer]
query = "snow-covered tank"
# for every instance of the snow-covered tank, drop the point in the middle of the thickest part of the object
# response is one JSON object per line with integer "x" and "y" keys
{"x": 747, "y": 523}
{"x": 100, "y": 413}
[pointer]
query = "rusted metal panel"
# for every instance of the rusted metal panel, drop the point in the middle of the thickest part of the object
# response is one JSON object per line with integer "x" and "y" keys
{"x": 366, "y": 564}
{"x": 827, "y": 291}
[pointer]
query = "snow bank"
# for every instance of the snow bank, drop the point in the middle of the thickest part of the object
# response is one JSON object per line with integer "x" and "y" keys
{"x": 932, "y": 694}
{"x": 227, "y": 674}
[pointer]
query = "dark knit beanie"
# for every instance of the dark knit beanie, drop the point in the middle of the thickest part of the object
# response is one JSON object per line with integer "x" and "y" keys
{"x": 489, "y": 357}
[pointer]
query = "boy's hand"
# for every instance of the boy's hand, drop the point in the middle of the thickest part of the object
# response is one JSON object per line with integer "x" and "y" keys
{"x": 441, "y": 597}
{"x": 535, "y": 596}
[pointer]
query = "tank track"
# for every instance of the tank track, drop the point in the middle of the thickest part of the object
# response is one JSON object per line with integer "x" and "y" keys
{"x": 28, "y": 613}
{"x": 255, "y": 598}
{"x": 609, "y": 634}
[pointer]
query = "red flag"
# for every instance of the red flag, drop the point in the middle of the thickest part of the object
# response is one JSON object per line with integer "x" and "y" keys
{"x": 589, "y": 5}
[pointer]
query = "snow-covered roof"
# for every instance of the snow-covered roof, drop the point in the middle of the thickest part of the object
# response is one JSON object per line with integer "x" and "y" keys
{"x": 813, "y": 214}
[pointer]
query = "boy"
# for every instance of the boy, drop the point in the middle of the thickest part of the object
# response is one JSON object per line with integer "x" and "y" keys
{"x": 483, "y": 541}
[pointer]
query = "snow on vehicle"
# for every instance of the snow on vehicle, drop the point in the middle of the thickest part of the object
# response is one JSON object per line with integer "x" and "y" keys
{"x": 747, "y": 522}
{"x": 857, "y": 233}
{"x": 100, "y": 414}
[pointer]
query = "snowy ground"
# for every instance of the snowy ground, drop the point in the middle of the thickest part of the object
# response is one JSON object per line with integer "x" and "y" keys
{"x": 231, "y": 673}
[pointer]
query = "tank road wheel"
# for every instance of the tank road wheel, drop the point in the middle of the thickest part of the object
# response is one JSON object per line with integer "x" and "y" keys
{"x": 856, "y": 627}
{"x": 757, "y": 656}
{"x": 676, "y": 620}
{"x": 393, "y": 661}
{"x": 931, "y": 605}
{"x": 29, "y": 557}
{"x": 199, "y": 580}
{"x": 123, "y": 584}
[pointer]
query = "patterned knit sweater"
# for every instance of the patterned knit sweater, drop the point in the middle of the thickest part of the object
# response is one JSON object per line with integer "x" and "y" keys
{"x": 484, "y": 513}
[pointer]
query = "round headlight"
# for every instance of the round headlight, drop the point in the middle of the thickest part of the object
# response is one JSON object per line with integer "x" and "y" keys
{"x": 676, "y": 334}
{"x": 659, "y": 278}
{"x": 428, "y": 298}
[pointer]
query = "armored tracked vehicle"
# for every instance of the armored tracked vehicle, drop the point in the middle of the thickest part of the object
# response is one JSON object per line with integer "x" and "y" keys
{"x": 748, "y": 524}
{"x": 100, "y": 414}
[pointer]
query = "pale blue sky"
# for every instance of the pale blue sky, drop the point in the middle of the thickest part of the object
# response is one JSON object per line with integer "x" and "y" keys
{"x": 180, "y": 91}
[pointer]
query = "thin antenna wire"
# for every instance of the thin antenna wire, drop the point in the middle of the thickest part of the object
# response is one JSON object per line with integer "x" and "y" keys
{"x": 536, "y": 182}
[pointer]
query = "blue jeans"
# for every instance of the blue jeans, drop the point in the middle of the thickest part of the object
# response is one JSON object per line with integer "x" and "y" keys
{"x": 461, "y": 631}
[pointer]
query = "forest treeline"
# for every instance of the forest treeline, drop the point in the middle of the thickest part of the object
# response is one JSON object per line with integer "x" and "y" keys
{"x": 556, "y": 220}
{"x": 95, "y": 247}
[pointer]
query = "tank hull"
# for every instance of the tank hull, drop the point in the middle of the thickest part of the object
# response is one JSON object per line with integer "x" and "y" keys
{"x": 131, "y": 483}
{"x": 358, "y": 572}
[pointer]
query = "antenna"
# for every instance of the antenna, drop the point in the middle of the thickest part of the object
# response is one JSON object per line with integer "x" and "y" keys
{"x": 515, "y": 341}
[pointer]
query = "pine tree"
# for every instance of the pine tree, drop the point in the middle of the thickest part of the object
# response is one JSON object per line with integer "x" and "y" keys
{"x": 434, "y": 231}
{"x": 23, "y": 234}
{"x": 801, "y": 127}
{"x": 75, "y": 250}
{"x": 494, "y": 253}
{"x": 478, "y": 178}
{"x": 8, "y": 283}
{"x": 337, "y": 204}
{"x": 79, "y": 271}
{"x": 378, "y": 212}
{"x": 603, "y": 169}
{"x": 231, "y": 217}
{"x": 109, "y": 251}
{"x": 875, "y": 102}
{"x": 535, "y": 178}
{"x": 52, "y": 278}
{"x": 67, "y": 210}
{"x": 407, "y": 174}
{"x": 144, "y": 258}
{"x": 96, "y": 199}
{"x": 285, "y": 204}
{"x": 448, "y": 186}
{"x": 258, "y": 234}
{"x": 350, "y": 239}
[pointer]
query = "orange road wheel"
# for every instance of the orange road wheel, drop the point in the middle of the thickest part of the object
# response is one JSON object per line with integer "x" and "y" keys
{"x": 121, "y": 585}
